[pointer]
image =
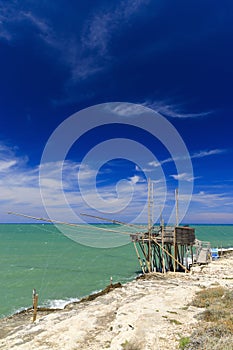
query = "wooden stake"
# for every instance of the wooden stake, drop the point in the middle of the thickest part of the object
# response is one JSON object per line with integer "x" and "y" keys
{"x": 35, "y": 304}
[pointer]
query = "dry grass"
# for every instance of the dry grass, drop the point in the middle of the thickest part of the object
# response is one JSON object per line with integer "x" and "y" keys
{"x": 215, "y": 329}
{"x": 208, "y": 296}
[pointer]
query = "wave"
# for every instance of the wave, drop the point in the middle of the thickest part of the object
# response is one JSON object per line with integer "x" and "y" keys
{"x": 59, "y": 303}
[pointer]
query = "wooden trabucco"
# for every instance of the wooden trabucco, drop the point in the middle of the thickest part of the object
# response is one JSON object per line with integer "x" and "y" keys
{"x": 165, "y": 248}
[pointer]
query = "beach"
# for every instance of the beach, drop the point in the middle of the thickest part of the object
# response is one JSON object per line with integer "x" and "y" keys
{"x": 151, "y": 312}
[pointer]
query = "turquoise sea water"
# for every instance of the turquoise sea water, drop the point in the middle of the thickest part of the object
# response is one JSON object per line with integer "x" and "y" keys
{"x": 40, "y": 256}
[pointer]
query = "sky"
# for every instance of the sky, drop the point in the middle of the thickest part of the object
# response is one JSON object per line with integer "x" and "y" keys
{"x": 98, "y": 96}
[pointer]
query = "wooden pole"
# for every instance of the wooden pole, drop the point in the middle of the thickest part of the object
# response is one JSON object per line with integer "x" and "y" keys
{"x": 142, "y": 246}
{"x": 114, "y": 221}
{"x": 139, "y": 258}
{"x": 153, "y": 204}
{"x": 35, "y": 304}
{"x": 177, "y": 208}
{"x": 175, "y": 250}
{"x": 177, "y": 223}
{"x": 192, "y": 254}
{"x": 163, "y": 262}
{"x": 77, "y": 225}
{"x": 149, "y": 224}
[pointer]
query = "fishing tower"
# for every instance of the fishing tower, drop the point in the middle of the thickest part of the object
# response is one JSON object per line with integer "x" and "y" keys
{"x": 164, "y": 248}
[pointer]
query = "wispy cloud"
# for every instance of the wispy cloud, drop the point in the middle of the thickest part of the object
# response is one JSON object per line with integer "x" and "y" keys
{"x": 5, "y": 165}
{"x": 207, "y": 153}
{"x": 6, "y": 13}
{"x": 67, "y": 47}
{"x": 136, "y": 179}
{"x": 156, "y": 164}
{"x": 183, "y": 177}
{"x": 12, "y": 16}
{"x": 173, "y": 111}
{"x": 206, "y": 200}
{"x": 100, "y": 28}
{"x": 98, "y": 31}
{"x": 212, "y": 199}
{"x": 84, "y": 54}
{"x": 21, "y": 187}
{"x": 200, "y": 154}
{"x": 39, "y": 23}
{"x": 125, "y": 109}
{"x": 212, "y": 217}
{"x": 20, "y": 191}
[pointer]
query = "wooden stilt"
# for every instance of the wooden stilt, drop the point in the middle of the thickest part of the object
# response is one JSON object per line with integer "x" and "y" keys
{"x": 145, "y": 253}
{"x": 175, "y": 251}
{"x": 149, "y": 200}
{"x": 139, "y": 258}
{"x": 163, "y": 262}
{"x": 192, "y": 254}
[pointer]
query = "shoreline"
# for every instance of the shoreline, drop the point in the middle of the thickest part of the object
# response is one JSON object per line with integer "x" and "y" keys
{"x": 153, "y": 307}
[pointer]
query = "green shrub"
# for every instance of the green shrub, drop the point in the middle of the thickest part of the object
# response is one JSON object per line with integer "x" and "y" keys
{"x": 183, "y": 342}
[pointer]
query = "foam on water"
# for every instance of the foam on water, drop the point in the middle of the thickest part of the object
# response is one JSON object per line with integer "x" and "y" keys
{"x": 59, "y": 303}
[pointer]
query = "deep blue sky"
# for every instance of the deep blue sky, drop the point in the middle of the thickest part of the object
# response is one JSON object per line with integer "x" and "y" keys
{"x": 58, "y": 57}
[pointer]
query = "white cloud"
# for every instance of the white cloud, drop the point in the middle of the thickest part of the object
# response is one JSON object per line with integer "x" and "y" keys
{"x": 20, "y": 192}
{"x": 202, "y": 154}
{"x": 5, "y": 15}
{"x": 11, "y": 14}
{"x": 84, "y": 55}
{"x": 103, "y": 24}
{"x": 85, "y": 173}
{"x": 212, "y": 199}
{"x": 156, "y": 164}
{"x": 183, "y": 177}
{"x": 211, "y": 217}
{"x": 126, "y": 109}
{"x": 39, "y": 23}
{"x": 135, "y": 179}
{"x": 173, "y": 111}
{"x": 67, "y": 47}
{"x": 6, "y": 165}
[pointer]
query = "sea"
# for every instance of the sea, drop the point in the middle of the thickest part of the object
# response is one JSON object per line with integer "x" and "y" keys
{"x": 62, "y": 270}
